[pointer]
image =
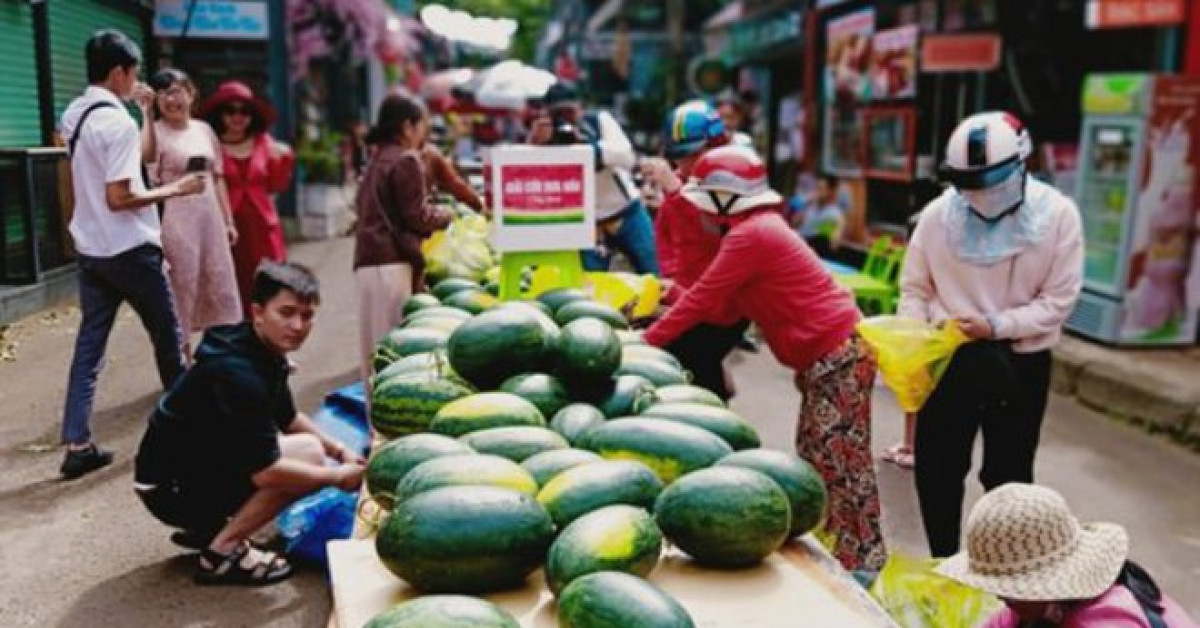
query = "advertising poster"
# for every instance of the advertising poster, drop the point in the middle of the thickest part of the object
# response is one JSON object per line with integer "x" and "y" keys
{"x": 894, "y": 63}
{"x": 545, "y": 200}
{"x": 848, "y": 57}
{"x": 1155, "y": 306}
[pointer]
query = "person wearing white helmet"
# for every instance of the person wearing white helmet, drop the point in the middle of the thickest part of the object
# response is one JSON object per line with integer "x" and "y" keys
{"x": 764, "y": 271}
{"x": 1001, "y": 254}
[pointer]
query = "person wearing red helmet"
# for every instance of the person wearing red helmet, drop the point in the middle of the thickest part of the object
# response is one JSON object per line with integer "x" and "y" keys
{"x": 687, "y": 246}
{"x": 1001, "y": 254}
{"x": 763, "y": 271}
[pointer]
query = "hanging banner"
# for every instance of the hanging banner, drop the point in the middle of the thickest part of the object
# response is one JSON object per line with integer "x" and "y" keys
{"x": 894, "y": 63}
{"x": 211, "y": 19}
{"x": 545, "y": 199}
{"x": 973, "y": 52}
{"x": 1132, "y": 13}
{"x": 848, "y": 57}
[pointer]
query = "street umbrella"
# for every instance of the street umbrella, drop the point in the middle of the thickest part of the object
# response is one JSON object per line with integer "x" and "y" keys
{"x": 509, "y": 85}
{"x": 437, "y": 88}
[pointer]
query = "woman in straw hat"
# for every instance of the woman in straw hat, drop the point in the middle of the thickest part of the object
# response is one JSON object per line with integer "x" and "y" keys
{"x": 1025, "y": 547}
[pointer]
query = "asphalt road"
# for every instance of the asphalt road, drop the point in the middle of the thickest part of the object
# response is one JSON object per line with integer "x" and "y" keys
{"x": 86, "y": 553}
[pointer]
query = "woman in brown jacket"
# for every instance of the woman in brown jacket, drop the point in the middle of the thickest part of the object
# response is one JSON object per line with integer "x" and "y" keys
{"x": 394, "y": 216}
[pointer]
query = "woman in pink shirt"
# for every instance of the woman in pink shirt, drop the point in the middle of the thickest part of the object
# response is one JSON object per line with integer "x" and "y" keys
{"x": 764, "y": 272}
{"x": 1001, "y": 254}
{"x": 1025, "y": 547}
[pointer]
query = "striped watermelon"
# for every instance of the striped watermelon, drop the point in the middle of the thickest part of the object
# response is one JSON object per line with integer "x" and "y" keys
{"x": 406, "y": 404}
{"x": 483, "y": 411}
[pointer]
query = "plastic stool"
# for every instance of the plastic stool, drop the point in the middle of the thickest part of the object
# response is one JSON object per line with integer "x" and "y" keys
{"x": 512, "y": 264}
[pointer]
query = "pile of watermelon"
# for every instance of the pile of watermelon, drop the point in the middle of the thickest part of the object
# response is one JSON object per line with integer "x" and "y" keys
{"x": 544, "y": 434}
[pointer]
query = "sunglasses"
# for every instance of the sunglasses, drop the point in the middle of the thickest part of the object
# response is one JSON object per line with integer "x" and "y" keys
{"x": 235, "y": 110}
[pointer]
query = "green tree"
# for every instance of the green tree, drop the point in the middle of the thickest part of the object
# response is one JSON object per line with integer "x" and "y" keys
{"x": 531, "y": 17}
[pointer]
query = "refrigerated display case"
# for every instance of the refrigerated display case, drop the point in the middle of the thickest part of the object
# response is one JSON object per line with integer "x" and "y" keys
{"x": 1138, "y": 154}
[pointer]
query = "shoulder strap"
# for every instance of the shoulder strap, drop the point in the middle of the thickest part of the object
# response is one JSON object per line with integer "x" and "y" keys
{"x": 1138, "y": 581}
{"x": 82, "y": 119}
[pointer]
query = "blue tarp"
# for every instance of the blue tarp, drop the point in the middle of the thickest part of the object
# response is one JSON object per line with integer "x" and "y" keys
{"x": 329, "y": 514}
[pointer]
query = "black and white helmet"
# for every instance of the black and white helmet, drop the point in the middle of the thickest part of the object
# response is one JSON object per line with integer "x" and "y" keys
{"x": 985, "y": 149}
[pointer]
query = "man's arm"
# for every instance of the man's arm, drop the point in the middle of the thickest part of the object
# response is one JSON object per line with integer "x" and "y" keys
{"x": 613, "y": 148}
{"x": 120, "y": 195}
{"x": 303, "y": 424}
{"x": 123, "y": 163}
{"x": 302, "y": 477}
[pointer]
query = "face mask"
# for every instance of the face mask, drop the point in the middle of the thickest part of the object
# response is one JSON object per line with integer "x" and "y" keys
{"x": 998, "y": 201}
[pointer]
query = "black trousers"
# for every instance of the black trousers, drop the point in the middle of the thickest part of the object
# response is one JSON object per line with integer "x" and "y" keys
{"x": 990, "y": 388}
{"x": 703, "y": 348}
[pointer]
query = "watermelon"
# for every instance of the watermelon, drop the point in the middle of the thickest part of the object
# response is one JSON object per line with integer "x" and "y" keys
{"x": 444, "y": 611}
{"x": 443, "y": 323}
{"x": 474, "y": 301}
{"x": 419, "y": 301}
{"x": 535, "y": 304}
{"x": 659, "y": 373}
{"x": 573, "y": 420}
{"x": 443, "y": 311}
{"x": 630, "y": 337}
{"x": 515, "y": 443}
{"x": 612, "y": 599}
{"x": 483, "y": 411}
{"x": 401, "y": 342}
{"x": 465, "y": 470}
{"x": 559, "y": 297}
{"x": 544, "y": 391}
{"x": 647, "y": 352}
{"x": 588, "y": 352}
{"x": 434, "y": 362}
{"x": 680, "y": 393}
{"x": 465, "y": 539}
{"x": 614, "y": 538}
{"x": 496, "y": 345}
{"x": 406, "y": 404}
{"x": 492, "y": 287}
{"x": 392, "y": 461}
{"x": 725, "y": 517}
{"x": 544, "y": 466}
{"x": 720, "y": 421}
{"x": 447, "y": 287}
{"x": 592, "y": 309}
{"x": 802, "y": 483}
{"x": 580, "y": 490}
{"x": 670, "y": 449}
{"x": 619, "y": 397}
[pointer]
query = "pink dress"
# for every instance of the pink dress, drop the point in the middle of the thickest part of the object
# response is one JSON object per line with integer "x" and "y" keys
{"x": 196, "y": 247}
{"x": 1117, "y": 608}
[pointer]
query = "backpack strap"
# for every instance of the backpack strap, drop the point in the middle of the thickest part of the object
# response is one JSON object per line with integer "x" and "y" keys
{"x": 82, "y": 119}
{"x": 1134, "y": 578}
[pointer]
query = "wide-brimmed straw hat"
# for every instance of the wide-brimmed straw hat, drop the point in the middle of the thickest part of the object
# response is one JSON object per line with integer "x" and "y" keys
{"x": 1024, "y": 544}
{"x": 237, "y": 91}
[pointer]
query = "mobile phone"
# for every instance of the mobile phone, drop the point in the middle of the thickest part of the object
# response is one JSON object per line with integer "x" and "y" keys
{"x": 197, "y": 163}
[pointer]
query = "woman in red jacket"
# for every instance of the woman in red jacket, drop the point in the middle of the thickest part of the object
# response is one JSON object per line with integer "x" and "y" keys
{"x": 769, "y": 275}
{"x": 256, "y": 168}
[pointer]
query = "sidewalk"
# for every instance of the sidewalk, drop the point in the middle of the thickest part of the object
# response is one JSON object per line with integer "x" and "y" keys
{"x": 1157, "y": 388}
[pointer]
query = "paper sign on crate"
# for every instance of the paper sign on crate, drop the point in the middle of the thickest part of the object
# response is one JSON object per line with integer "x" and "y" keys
{"x": 543, "y": 198}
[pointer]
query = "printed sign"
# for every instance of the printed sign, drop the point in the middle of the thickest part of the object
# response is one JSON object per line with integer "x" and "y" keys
{"x": 894, "y": 63}
{"x": 848, "y": 57}
{"x": 212, "y": 19}
{"x": 973, "y": 52}
{"x": 1130, "y": 13}
{"x": 545, "y": 199}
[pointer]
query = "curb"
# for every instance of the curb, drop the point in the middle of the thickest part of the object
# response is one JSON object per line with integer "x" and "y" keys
{"x": 1156, "y": 389}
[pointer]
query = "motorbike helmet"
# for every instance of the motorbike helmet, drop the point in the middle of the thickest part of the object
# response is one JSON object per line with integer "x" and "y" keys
{"x": 985, "y": 162}
{"x": 730, "y": 180}
{"x": 691, "y": 127}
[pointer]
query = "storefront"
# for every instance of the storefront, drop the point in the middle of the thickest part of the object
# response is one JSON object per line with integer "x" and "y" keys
{"x": 896, "y": 76}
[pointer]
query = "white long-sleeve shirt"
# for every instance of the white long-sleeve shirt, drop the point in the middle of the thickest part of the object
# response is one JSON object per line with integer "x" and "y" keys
{"x": 1028, "y": 297}
{"x": 614, "y": 185}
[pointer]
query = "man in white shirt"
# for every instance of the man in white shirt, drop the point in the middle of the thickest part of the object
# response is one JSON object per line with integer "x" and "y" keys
{"x": 117, "y": 234}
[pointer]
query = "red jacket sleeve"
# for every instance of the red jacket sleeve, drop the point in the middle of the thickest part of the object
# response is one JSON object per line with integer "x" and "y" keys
{"x": 664, "y": 242}
{"x": 447, "y": 179}
{"x": 279, "y": 171}
{"x": 410, "y": 208}
{"x": 735, "y": 264}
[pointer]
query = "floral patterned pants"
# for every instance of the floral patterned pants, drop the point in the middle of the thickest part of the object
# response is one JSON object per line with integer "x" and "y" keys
{"x": 833, "y": 432}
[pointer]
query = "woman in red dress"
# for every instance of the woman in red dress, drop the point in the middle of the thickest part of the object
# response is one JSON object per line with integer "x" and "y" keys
{"x": 256, "y": 168}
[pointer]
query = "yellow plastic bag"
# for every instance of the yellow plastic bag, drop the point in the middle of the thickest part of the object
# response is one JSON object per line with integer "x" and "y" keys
{"x": 913, "y": 355}
{"x": 917, "y": 597}
{"x": 637, "y": 296}
{"x": 460, "y": 250}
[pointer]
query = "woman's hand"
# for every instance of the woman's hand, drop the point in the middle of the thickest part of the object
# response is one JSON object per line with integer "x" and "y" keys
{"x": 231, "y": 232}
{"x": 658, "y": 170}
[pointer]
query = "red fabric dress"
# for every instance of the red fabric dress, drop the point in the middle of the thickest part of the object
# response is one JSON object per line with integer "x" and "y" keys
{"x": 252, "y": 181}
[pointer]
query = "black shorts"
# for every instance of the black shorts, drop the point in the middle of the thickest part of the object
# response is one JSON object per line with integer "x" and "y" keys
{"x": 196, "y": 506}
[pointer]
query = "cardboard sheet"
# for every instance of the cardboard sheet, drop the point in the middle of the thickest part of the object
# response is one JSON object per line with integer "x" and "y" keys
{"x": 799, "y": 585}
